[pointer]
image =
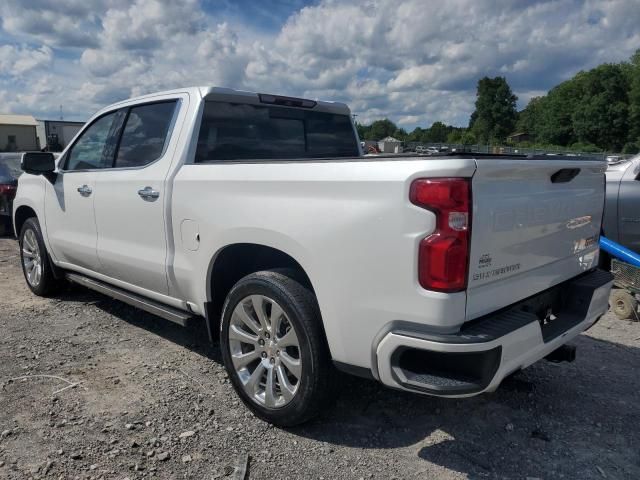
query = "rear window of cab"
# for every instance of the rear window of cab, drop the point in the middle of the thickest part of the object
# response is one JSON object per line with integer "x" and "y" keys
{"x": 236, "y": 132}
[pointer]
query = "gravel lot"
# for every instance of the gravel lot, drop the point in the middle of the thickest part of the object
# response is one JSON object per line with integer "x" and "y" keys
{"x": 92, "y": 388}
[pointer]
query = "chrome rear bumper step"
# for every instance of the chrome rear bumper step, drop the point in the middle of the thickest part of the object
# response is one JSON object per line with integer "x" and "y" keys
{"x": 175, "y": 315}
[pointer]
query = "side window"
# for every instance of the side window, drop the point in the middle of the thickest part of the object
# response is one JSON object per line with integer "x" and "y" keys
{"x": 95, "y": 147}
{"x": 145, "y": 134}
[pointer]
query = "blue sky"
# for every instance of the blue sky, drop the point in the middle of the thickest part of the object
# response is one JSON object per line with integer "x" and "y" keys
{"x": 415, "y": 61}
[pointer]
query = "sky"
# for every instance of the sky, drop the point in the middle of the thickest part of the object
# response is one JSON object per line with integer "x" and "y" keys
{"x": 413, "y": 61}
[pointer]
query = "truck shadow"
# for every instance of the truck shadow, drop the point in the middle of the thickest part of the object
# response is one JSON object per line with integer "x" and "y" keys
{"x": 574, "y": 420}
{"x": 194, "y": 338}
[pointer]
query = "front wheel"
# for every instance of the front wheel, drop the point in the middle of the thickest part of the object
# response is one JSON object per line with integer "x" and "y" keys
{"x": 36, "y": 267}
{"x": 274, "y": 349}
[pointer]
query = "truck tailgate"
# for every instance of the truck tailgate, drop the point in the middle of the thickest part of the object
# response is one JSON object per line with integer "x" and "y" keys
{"x": 535, "y": 223}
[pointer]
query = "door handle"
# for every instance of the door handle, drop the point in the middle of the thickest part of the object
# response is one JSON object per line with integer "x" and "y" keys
{"x": 84, "y": 190}
{"x": 148, "y": 193}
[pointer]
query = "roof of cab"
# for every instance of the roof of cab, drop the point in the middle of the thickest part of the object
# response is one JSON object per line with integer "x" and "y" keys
{"x": 242, "y": 96}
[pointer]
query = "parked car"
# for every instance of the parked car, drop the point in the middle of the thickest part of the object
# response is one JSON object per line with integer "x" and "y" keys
{"x": 427, "y": 150}
{"x": 257, "y": 215}
{"x": 622, "y": 210}
{"x": 9, "y": 172}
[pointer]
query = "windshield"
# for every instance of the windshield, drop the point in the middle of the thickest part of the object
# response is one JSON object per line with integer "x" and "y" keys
{"x": 232, "y": 131}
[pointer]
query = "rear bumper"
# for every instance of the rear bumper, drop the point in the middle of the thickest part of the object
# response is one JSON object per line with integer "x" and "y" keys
{"x": 478, "y": 357}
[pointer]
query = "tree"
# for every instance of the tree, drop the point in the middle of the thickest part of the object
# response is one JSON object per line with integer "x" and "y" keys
{"x": 529, "y": 118}
{"x": 468, "y": 138}
{"x": 400, "y": 134}
{"x": 438, "y": 132}
{"x": 634, "y": 98}
{"x": 381, "y": 129}
{"x": 601, "y": 116}
{"x": 631, "y": 148}
{"x": 416, "y": 135}
{"x": 495, "y": 115}
{"x": 455, "y": 136}
{"x": 555, "y": 112}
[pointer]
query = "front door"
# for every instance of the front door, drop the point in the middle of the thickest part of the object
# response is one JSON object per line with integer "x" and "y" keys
{"x": 130, "y": 198}
{"x": 69, "y": 202}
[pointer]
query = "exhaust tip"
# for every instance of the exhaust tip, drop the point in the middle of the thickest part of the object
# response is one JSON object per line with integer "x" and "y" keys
{"x": 565, "y": 353}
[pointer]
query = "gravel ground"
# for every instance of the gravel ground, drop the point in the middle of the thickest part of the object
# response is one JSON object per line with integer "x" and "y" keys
{"x": 91, "y": 388}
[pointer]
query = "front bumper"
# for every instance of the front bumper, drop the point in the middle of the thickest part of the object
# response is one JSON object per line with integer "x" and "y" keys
{"x": 478, "y": 357}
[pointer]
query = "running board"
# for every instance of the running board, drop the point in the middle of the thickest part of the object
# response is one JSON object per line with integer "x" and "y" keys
{"x": 180, "y": 317}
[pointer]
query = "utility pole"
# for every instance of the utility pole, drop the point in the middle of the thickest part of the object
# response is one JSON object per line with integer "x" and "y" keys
{"x": 61, "y": 116}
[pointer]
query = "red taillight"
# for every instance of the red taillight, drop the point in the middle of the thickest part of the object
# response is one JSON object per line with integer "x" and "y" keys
{"x": 443, "y": 256}
{"x": 8, "y": 191}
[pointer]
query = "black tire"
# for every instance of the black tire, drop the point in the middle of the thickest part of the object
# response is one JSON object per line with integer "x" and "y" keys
{"x": 47, "y": 284}
{"x": 301, "y": 309}
{"x": 624, "y": 305}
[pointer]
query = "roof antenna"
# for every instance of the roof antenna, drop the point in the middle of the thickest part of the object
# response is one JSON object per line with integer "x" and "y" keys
{"x": 61, "y": 116}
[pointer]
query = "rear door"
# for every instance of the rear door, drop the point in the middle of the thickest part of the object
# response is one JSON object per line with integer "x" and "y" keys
{"x": 69, "y": 201}
{"x": 132, "y": 198}
{"x": 535, "y": 223}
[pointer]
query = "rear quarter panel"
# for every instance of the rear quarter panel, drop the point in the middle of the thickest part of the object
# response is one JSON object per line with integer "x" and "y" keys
{"x": 349, "y": 224}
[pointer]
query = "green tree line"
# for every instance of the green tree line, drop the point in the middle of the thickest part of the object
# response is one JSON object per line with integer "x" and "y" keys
{"x": 600, "y": 108}
{"x": 438, "y": 132}
{"x": 595, "y": 110}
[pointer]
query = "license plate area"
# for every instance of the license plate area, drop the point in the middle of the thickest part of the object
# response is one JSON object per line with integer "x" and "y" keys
{"x": 564, "y": 306}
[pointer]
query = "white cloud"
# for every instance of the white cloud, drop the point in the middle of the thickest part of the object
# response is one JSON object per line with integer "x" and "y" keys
{"x": 18, "y": 60}
{"x": 415, "y": 61}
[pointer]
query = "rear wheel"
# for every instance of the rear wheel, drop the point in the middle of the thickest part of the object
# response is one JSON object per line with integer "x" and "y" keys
{"x": 624, "y": 305}
{"x": 36, "y": 267}
{"x": 274, "y": 349}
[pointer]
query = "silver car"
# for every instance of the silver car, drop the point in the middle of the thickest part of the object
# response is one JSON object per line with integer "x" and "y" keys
{"x": 622, "y": 209}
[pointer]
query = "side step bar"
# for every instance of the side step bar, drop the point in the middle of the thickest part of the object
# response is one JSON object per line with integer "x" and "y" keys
{"x": 175, "y": 315}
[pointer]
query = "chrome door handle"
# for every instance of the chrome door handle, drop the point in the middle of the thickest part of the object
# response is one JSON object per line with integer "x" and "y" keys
{"x": 84, "y": 190}
{"x": 148, "y": 193}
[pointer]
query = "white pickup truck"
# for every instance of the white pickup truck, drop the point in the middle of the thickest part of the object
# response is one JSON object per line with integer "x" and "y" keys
{"x": 259, "y": 215}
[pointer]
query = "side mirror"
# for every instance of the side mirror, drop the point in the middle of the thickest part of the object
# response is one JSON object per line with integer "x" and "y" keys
{"x": 38, "y": 163}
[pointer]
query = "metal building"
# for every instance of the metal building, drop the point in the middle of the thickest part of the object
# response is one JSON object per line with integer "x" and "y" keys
{"x": 55, "y": 135}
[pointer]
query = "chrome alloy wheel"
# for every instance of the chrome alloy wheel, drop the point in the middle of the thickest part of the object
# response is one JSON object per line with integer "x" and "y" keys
{"x": 31, "y": 258}
{"x": 265, "y": 351}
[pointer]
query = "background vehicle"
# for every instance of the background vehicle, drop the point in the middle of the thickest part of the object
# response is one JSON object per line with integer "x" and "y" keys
{"x": 438, "y": 275}
{"x": 9, "y": 173}
{"x": 622, "y": 209}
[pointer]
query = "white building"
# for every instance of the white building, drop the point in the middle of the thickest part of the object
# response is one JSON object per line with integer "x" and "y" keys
{"x": 18, "y": 133}
{"x": 390, "y": 145}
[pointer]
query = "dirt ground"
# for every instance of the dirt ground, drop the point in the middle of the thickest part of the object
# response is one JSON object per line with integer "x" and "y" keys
{"x": 91, "y": 388}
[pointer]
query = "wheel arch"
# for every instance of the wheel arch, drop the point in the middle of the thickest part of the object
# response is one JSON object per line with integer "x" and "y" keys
{"x": 235, "y": 261}
{"x": 21, "y": 215}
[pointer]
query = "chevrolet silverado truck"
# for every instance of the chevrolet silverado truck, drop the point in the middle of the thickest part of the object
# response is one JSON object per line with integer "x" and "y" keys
{"x": 259, "y": 215}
